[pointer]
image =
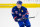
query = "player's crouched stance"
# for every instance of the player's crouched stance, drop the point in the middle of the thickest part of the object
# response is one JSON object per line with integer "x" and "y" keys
{"x": 20, "y": 15}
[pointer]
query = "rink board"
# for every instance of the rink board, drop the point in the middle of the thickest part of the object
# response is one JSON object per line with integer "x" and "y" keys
{"x": 25, "y": 5}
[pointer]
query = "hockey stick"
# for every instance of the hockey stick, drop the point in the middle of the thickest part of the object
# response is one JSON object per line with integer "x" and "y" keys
{"x": 25, "y": 18}
{"x": 32, "y": 17}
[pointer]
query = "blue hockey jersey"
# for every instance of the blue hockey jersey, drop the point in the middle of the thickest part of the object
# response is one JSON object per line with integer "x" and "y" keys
{"x": 19, "y": 13}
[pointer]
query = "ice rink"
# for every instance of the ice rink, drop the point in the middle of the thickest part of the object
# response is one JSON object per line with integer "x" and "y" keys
{"x": 6, "y": 19}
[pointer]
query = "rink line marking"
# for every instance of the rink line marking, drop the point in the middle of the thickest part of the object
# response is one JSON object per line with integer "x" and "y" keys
{"x": 25, "y": 5}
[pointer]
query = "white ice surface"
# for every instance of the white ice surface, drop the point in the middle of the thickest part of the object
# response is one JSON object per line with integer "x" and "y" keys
{"x": 6, "y": 19}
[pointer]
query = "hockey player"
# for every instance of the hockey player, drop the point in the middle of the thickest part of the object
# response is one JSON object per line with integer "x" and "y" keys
{"x": 20, "y": 15}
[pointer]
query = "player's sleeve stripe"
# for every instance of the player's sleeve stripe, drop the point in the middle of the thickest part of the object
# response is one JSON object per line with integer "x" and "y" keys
{"x": 12, "y": 12}
{"x": 27, "y": 12}
{"x": 15, "y": 17}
